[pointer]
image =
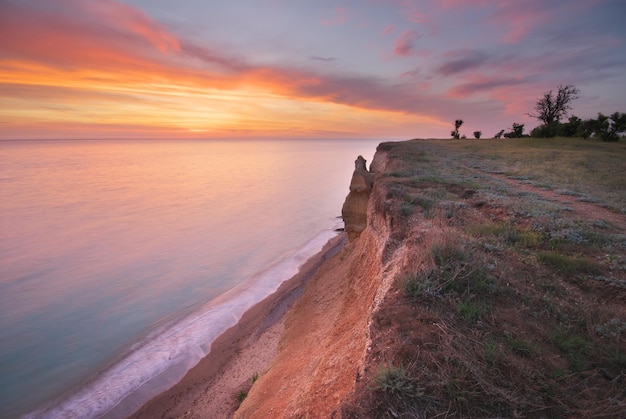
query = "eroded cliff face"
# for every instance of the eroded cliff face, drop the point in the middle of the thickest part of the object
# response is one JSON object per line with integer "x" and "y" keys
{"x": 354, "y": 211}
{"x": 326, "y": 336}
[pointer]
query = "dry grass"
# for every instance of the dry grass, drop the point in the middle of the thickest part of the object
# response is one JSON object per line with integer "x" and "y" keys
{"x": 511, "y": 307}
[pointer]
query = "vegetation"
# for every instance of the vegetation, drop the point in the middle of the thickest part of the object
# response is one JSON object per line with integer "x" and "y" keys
{"x": 605, "y": 128}
{"x": 550, "y": 109}
{"x": 394, "y": 380}
{"x": 517, "y": 131}
{"x": 243, "y": 393}
{"x": 457, "y": 124}
{"x": 553, "y": 107}
{"x": 509, "y": 302}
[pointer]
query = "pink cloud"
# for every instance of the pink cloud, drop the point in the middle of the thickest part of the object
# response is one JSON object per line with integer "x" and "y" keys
{"x": 339, "y": 18}
{"x": 132, "y": 20}
{"x": 390, "y": 28}
{"x": 405, "y": 44}
{"x": 477, "y": 84}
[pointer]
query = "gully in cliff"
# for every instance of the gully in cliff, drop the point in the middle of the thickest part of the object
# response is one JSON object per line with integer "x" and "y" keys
{"x": 354, "y": 211}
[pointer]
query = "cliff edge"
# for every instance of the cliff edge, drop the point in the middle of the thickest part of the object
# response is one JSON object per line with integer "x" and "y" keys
{"x": 461, "y": 293}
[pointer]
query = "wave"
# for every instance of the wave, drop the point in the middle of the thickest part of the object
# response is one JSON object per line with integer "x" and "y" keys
{"x": 164, "y": 357}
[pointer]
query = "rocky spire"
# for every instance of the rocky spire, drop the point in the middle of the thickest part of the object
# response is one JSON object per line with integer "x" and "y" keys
{"x": 354, "y": 211}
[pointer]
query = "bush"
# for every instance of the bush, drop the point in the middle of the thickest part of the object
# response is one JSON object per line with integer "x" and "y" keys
{"x": 395, "y": 381}
{"x": 477, "y": 134}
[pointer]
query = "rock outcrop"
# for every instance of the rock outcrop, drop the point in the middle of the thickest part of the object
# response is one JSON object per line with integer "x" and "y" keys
{"x": 354, "y": 211}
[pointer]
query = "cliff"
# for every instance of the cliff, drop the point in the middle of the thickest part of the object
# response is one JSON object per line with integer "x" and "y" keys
{"x": 461, "y": 293}
{"x": 320, "y": 355}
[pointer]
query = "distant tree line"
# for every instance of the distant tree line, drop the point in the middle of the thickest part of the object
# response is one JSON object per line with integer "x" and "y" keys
{"x": 553, "y": 107}
{"x": 605, "y": 128}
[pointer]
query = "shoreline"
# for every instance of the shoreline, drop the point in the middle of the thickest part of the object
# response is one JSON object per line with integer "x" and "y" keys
{"x": 245, "y": 349}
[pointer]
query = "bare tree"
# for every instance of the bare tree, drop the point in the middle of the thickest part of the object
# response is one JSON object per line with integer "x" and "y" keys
{"x": 551, "y": 108}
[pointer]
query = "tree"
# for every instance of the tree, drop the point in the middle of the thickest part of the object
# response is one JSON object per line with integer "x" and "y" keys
{"x": 608, "y": 128}
{"x": 457, "y": 125}
{"x": 516, "y": 132}
{"x": 551, "y": 108}
{"x": 499, "y": 134}
{"x": 569, "y": 129}
{"x": 477, "y": 134}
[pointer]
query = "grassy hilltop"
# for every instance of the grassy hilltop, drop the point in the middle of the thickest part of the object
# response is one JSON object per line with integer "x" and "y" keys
{"x": 512, "y": 302}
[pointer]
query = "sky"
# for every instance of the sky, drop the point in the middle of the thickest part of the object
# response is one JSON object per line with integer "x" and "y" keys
{"x": 383, "y": 69}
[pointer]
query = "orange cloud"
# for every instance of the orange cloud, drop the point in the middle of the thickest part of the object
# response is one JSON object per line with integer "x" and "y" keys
{"x": 76, "y": 66}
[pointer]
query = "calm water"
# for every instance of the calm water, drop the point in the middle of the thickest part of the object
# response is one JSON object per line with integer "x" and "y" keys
{"x": 123, "y": 261}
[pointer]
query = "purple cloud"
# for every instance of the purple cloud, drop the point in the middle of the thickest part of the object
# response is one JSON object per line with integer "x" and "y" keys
{"x": 318, "y": 58}
{"x": 462, "y": 60}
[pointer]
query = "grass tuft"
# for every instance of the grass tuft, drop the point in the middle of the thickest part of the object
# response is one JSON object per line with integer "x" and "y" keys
{"x": 471, "y": 311}
{"x": 567, "y": 265}
{"x": 395, "y": 381}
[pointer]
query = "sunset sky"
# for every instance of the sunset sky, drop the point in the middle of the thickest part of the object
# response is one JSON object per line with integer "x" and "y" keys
{"x": 388, "y": 69}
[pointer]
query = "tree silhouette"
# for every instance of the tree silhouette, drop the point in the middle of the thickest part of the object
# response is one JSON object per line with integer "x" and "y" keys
{"x": 551, "y": 108}
{"x": 457, "y": 125}
{"x": 516, "y": 132}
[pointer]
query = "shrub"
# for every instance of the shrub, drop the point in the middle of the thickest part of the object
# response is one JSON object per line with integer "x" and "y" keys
{"x": 241, "y": 395}
{"x": 477, "y": 134}
{"x": 406, "y": 209}
{"x": 395, "y": 381}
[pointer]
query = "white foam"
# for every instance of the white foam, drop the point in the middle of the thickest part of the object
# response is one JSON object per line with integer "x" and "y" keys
{"x": 163, "y": 359}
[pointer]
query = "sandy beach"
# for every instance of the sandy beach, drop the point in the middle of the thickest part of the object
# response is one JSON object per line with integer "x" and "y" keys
{"x": 210, "y": 388}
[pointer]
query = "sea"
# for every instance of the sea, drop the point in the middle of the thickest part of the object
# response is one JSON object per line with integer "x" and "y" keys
{"x": 121, "y": 261}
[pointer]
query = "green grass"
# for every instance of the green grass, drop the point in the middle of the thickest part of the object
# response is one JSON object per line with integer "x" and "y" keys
{"x": 507, "y": 234}
{"x": 520, "y": 346}
{"x": 471, "y": 311}
{"x": 568, "y": 265}
{"x": 491, "y": 351}
{"x": 574, "y": 346}
{"x": 395, "y": 380}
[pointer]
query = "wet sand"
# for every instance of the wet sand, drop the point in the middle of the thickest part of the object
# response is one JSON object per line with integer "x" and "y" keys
{"x": 210, "y": 389}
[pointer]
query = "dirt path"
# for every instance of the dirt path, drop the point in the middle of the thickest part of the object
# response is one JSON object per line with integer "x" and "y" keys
{"x": 585, "y": 210}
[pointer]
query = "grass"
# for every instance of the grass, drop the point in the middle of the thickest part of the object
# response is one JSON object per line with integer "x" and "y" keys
{"x": 520, "y": 346}
{"x": 508, "y": 234}
{"x": 574, "y": 346}
{"x": 243, "y": 393}
{"x": 241, "y": 396}
{"x": 585, "y": 167}
{"x": 394, "y": 380}
{"x": 568, "y": 265}
{"x": 471, "y": 311}
{"x": 491, "y": 351}
{"x": 491, "y": 311}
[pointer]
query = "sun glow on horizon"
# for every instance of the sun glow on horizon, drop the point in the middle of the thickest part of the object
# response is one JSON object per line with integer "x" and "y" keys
{"x": 45, "y": 96}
